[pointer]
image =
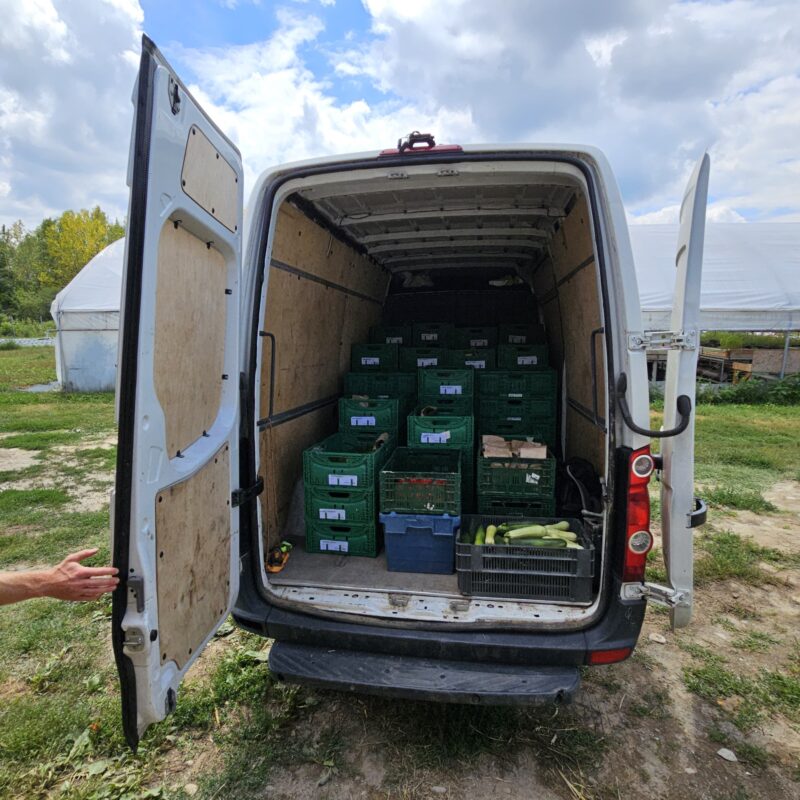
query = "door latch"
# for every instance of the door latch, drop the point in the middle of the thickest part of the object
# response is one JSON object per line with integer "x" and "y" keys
{"x": 663, "y": 595}
{"x": 241, "y": 496}
{"x": 662, "y": 340}
{"x": 134, "y": 639}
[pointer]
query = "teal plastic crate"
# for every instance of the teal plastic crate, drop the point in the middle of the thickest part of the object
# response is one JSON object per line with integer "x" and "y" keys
{"x": 436, "y": 382}
{"x": 475, "y": 358}
{"x": 412, "y": 359}
{"x": 340, "y": 504}
{"x": 421, "y": 481}
{"x": 533, "y": 478}
{"x": 391, "y": 334}
{"x": 447, "y": 404}
{"x": 518, "y": 383}
{"x": 432, "y": 334}
{"x": 520, "y": 334}
{"x": 541, "y": 430}
{"x": 359, "y": 413}
{"x": 448, "y": 430}
{"x": 373, "y": 358}
{"x": 342, "y": 538}
{"x": 470, "y": 338}
{"x": 347, "y": 460}
{"x": 515, "y": 409}
{"x": 381, "y": 384}
{"x": 522, "y": 356}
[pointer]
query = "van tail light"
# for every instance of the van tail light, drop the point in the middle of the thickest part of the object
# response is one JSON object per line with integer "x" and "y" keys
{"x": 638, "y": 539}
{"x": 609, "y": 656}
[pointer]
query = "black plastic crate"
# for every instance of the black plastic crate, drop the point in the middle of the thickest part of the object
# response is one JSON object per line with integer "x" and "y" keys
{"x": 503, "y": 505}
{"x": 522, "y": 572}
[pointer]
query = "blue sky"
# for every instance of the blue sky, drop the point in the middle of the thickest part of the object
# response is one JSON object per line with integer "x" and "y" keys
{"x": 651, "y": 82}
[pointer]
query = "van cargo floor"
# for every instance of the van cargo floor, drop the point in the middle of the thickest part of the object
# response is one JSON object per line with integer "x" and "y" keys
{"x": 358, "y": 573}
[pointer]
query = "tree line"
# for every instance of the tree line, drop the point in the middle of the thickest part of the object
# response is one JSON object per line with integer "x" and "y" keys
{"x": 36, "y": 264}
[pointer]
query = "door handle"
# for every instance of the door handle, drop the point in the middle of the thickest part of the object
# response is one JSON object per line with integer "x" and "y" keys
{"x": 698, "y": 516}
{"x": 684, "y": 406}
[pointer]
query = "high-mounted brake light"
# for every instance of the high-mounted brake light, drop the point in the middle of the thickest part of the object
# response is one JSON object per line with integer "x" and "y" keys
{"x": 417, "y": 142}
{"x": 638, "y": 539}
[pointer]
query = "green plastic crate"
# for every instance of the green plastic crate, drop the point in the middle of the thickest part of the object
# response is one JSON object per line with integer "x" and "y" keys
{"x": 501, "y": 506}
{"x": 333, "y": 504}
{"x": 432, "y": 334}
{"x": 452, "y": 405}
{"x": 476, "y": 358}
{"x": 381, "y": 384}
{"x": 522, "y": 356}
{"x": 391, "y": 334}
{"x": 421, "y": 481}
{"x": 346, "y": 460}
{"x": 516, "y": 409}
{"x": 436, "y": 382}
{"x": 538, "y": 430}
{"x": 373, "y": 414}
{"x": 518, "y": 383}
{"x": 373, "y": 358}
{"x": 520, "y": 334}
{"x": 482, "y": 336}
{"x": 342, "y": 538}
{"x": 441, "y": 429}
{"x": 413, "y": 358}
{"x": 533, "y": 478}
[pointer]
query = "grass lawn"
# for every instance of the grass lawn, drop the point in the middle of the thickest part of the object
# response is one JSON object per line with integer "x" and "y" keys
{"x": 60, "y": 731}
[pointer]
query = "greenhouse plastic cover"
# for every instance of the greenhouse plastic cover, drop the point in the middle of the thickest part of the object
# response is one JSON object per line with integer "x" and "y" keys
{"x": 751, "y": 275}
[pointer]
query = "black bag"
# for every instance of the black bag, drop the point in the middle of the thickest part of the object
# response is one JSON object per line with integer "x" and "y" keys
{"x": 578, "y": 489}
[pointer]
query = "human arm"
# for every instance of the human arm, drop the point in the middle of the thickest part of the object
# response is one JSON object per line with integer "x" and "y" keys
{"x": 69, "y": 580}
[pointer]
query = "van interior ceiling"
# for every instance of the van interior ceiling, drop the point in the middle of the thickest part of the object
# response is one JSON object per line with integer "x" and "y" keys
{"x": 483, "y": 243}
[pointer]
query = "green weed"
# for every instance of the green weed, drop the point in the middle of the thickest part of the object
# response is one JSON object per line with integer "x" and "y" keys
{"x": 755, "y": 642}
{"x": 729, "y": 497}
{"x": 654, "y": 704}
{"x": 16, "y": 502}
{"x": 723, "y": 555}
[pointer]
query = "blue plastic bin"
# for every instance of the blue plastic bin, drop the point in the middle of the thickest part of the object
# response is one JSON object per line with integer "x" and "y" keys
{"x": 420, "y": 542}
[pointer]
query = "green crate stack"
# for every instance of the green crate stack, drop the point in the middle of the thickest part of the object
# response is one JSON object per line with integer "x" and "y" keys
{"x": 381, "y": 384}
{"x": 340, "y": 476}
{"x": 450, "y": 391}
{"x": 451, "y": 431}
{"x": 481, "y": 336}
{"x": 391, "y": 334}
{"x": 421, "y": 481}
{"x": 527, "y": 483}
{"x": 432, "y": 334}
{"x": 376, "y": 415}
{"x": 520, "y": 334}
{"x": 373, "y": 358}
{"x": 472, "y": 357}
{"x": 522, "y": 356}
{"x": 523, "y": 383}
{"x": 410, "y": 359}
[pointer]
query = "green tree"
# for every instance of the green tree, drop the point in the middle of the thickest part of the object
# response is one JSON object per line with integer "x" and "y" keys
{"x": 7, "y": 299}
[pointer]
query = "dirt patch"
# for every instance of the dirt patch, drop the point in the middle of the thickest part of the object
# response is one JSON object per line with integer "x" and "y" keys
{"x": 11, "y": 688}
{"x": 15, "y": 458}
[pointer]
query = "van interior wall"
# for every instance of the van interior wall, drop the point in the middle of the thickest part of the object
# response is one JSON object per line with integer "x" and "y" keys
{"x": 322, "y": 296}
{"x": 566, "y": 285}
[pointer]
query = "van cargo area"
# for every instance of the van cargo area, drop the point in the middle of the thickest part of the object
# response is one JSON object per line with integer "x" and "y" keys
{"x": 430, "y": 268}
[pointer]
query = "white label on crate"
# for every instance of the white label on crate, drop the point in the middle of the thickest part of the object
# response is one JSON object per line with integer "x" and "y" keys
{"x": 429, "y": 337}
{"x": 435, "y": 438}
{"x": 370, "y": 361}
{"x": 363, "y": 422}
{"x": 526, "y": 361}
{"x": 513, "y": 419}
{"x": 332, "y": 546}
{"x": 514, "y": 394}
{"x": 394, "y": 340}
{"x": 427, "y": 362}
{"x": 478, "y": 342}
{"x": 476, "y": 364}
{"x": 449, "y": 389}
{"x": 515, "y": 339}
{"x": 532, "y": 477}
{"x": 332, "y": 513}
{"x": 342, "y": 480}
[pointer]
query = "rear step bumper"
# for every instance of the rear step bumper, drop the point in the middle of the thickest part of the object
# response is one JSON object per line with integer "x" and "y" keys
{"x": 422, "y": 678}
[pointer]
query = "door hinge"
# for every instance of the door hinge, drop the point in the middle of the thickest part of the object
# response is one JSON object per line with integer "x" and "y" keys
{"x": 136, "y": 585}
{"x": 662, "y": 340}
{"x": 663, "y": 595}
{"x": 134, "y": 639}
{"x": 241, "y": 496}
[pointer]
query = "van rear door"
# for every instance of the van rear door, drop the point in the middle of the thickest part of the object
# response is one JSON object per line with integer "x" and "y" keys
{"x": 678, "y": 515}
{"x": 175, "y": 521}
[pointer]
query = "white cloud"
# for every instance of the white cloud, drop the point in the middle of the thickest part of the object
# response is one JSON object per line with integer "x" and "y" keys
{"x": 65, "y": 113}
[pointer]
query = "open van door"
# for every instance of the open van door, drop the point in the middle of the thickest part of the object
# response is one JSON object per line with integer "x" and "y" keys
{"x": 175, "y": 521}
{"x": 680, "y": 513}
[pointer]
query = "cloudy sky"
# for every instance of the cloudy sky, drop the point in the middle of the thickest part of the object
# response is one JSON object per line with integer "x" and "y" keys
{"x": 652, "y": 83}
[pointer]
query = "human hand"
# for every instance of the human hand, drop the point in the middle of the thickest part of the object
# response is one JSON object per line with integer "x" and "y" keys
{"x": 70, "y": 580}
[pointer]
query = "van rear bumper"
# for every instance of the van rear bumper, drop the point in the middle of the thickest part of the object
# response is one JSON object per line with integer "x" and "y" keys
{"x": 422, "y": 678}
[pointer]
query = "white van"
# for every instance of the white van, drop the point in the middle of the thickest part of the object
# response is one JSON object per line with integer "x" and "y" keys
{"x": 235, "y": 337}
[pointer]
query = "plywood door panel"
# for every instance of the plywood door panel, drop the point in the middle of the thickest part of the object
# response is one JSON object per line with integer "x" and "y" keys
{"x": 210, "y": 180}
{"x": 585, "y": 440}
{"x": 193, "y": 533}
{"x": 189, "y": 347}
{"x": 572, "y": 244}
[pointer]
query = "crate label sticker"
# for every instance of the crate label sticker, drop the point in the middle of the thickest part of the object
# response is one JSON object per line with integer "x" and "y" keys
{"x": 427, "y": 362}
{"x": 532, "y": 477}
{"x": 449, "y": 390}
{"x": 431, "y": 336}
{"x": 370, "y": 361}
{"x": 478, "y": 342}
{"x": 342, "y": 480}
{"x": 515, "y": 339}
{"x": 515, "y": 394}
{"x": 332, "y": 546}
{"x": 476, "y": 364}
{"x": 525, "y": 361}
{"x": 394, "y": 340}
{"x": 513, "y": 419}
{"x": 332, "y": 513}
{"x": 442, "y": 437}
{"x": 362, "y": 422}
